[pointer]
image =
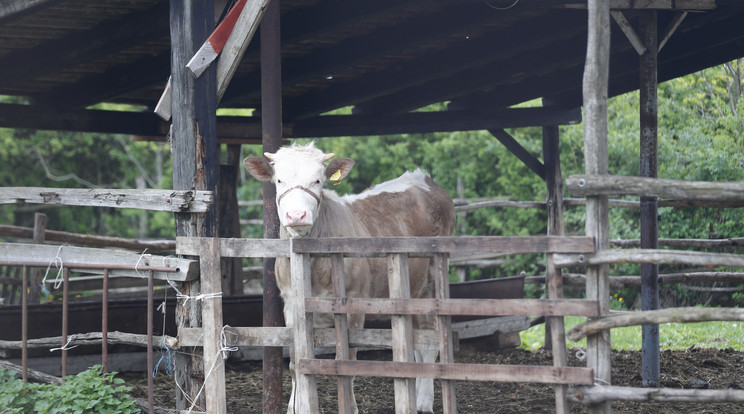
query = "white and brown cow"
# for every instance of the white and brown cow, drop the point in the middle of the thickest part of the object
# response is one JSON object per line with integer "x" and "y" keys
{"x": 410, "y": 205}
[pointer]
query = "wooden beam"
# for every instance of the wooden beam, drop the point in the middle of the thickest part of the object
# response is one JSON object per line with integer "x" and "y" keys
{"x": 146, "y": 199}
{"x": 472, "y": 307}
{"x": 457, "y": 372}
{"x": 600, "y": 394}
{"x": 248, "y": 129}
{"x": 518, "y": 150}
{"x": 496, "y": 246}
{"x": 656, "y": 317}
{"x": 630, "y": 33}
{"x": 72, "y": 257}
{"x": 595, "y": 184}
{"x": 657, "y": 256}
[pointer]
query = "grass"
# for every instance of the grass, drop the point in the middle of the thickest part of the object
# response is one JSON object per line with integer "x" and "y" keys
{"x": 672, "y": 336}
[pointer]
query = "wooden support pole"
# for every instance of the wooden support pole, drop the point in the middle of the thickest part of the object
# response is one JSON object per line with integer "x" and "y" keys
{"x": 271, "y": 126}
{"x": 195, "y": 162}
{"x": 650, "y": 371}
{"x": 595, "y": 90}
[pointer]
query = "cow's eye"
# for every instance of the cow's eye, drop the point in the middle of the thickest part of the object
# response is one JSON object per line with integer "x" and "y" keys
{"x": 278, "y": 181}
{"x": 317, "y": 181}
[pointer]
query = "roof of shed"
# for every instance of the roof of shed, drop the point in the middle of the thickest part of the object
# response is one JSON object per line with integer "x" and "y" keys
{"x": 383, "y": 57}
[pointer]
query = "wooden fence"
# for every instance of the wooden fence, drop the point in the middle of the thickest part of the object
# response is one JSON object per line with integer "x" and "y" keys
{"x": 402, "y": 339}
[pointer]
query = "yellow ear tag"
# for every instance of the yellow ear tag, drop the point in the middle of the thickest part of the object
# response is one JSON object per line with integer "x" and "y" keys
{"x": 336, "y": 177}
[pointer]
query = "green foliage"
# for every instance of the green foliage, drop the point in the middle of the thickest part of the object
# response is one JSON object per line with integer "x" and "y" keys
{"x": 87, "y": 392}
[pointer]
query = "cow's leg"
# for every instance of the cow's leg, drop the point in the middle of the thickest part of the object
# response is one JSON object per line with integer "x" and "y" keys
{"x": 291, "y": 406}
{"x": 425, "y": 386}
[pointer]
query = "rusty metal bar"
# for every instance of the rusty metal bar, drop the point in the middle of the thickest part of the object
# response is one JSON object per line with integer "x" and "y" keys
{"x": 271, "y": 125}
{"x": 96, "y": 266}
{"x": 65, "y": 316}
{"x": 104, "y": 322}
{"x": 150, "y": 363}
{"x": 24, "y": 324}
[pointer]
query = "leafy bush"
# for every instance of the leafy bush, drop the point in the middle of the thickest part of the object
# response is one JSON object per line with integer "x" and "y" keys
{"x": 87, "y": 392}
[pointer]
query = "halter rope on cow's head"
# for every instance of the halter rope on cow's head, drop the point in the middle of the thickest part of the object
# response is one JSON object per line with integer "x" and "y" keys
{"x": 299, "y": 174}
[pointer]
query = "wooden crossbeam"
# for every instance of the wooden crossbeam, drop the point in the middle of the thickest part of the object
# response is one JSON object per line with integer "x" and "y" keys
{"x": 145, "y": 199}
{"x": 497, "y": 246}
{"x": 585, "y": 185}
{"x": 453, "y": 371}
{"x": 474, "y": 307}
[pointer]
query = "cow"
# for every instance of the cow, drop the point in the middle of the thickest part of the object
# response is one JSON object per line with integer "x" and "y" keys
{"x": 410, "y": 205}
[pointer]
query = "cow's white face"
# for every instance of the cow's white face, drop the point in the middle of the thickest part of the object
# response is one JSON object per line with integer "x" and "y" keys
{"x": 299, "y": 173}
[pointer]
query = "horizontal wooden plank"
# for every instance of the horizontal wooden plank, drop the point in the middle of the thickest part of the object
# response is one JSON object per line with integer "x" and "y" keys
{"x": 145, "y": 199}
{"x": 483, "y": 327}
{"x": 467, "y": 245}
{"x": 323, "y": 337}
{"x": 473, "y": 307}
{"x": 81, "y": 258}
{"x": 458, "y": 372}
{"x": 236, "y": 247}
{"x": 657, "y": 256}
{"x": 594, "y": 185}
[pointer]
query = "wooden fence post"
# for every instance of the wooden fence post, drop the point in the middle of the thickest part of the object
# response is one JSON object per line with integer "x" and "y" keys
{"x": 214, "y": 366}
{"x": 402, "y": 330}
{"x": 595, "y": 90}
{"x": 306, "y": 398}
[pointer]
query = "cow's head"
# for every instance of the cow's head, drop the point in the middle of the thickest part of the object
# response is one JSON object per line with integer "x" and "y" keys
{"x": 299, "y": 173}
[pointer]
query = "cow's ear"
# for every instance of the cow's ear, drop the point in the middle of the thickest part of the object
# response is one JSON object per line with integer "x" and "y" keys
{"x": 259, "y": 168}
{"x": 338, "y": 169}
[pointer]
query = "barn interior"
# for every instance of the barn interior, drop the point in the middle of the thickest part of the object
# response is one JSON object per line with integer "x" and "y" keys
{"x": 348, "y": 68}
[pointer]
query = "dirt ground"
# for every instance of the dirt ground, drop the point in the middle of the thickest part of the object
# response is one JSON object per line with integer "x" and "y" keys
{"x": 692, "y": 368}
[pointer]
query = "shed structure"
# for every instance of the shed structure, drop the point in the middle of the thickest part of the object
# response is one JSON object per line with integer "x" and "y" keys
{"x": 386, "y": 59}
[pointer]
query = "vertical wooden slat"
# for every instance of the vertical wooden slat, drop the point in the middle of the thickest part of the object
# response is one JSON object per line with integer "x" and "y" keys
{"x": 444, "y": 330}
{"x": 555, "y": 338}
{"x": 402, "y": 332}
{"x": 557, "y": 333}
{"x": 595, "y": 90}
{"x": 345, "y": 391}
{"x": 306, "y": 400}
{"x": 214, "y": 367}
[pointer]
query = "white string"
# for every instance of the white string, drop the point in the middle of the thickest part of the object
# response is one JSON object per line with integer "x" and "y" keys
{"x": 66, "y": 346}
{"x": 223, "y": 351}
{"x": 488, "y": 3}
{"x": 581, "y": 355}
{"x": 57, "y": 261}
{"x": 142, "y": 256}
{"x": 186, "y": 298}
